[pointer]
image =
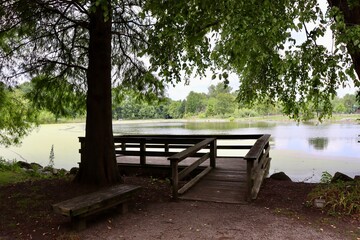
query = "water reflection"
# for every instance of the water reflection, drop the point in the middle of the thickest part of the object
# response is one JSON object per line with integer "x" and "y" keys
{"x": 319, "y": 143}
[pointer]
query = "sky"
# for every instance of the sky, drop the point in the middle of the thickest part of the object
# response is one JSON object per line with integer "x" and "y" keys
{"x": 180, "y": 91}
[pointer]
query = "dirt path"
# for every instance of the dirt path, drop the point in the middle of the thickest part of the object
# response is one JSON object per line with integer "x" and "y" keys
{"x": 278, "y": 213}
{"x": 200, "y": 220}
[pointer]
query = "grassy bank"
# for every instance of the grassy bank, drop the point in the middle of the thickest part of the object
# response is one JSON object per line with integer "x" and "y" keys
{"x": 276, "y": 118}
{"x": 11, "y": 172}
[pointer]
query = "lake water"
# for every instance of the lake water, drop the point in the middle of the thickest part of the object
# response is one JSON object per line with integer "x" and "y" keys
{"x": 302, "y": 151}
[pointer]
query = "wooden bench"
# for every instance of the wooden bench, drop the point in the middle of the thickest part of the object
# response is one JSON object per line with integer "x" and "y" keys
{"x": 79, "y": 208}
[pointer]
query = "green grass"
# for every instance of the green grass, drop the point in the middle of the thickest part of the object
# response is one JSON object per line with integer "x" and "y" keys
{"x": 9, "y": 177}
{"x": 10, "y": 172}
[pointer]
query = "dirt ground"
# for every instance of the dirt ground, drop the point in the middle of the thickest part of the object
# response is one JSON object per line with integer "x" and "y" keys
{"x": 278, "y": 213}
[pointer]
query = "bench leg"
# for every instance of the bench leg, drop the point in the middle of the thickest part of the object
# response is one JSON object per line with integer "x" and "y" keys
{"x": 123, "y": 208}
{"x": 78, "y": 224}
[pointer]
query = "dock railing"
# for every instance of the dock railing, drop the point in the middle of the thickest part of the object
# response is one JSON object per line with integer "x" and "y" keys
{"x": 191, "y": 152}
{"x": 257, "y": 166}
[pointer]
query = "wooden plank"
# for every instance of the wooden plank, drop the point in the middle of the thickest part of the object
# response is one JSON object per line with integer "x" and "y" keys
{"x": 191, "y": 150}
{"x": 259, "y": 175}
{"x": 234, "y": 147}
{"x": 194, "y": 165}
{"x": 192, "y": 136}
{"x": 217, "y": 191}
{"x": 97, "y": 200}
{"x": 258, "y": 147}
{"x": 175, "y": 179}
{"x": 227, "y": 176}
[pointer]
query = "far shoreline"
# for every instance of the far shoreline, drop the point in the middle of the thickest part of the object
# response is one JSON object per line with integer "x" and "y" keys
{"x": 336, "y": 118}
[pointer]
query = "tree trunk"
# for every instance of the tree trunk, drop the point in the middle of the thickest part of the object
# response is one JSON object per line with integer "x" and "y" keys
{"x": 99, "y": 162}
{"x": 352, "y": 18}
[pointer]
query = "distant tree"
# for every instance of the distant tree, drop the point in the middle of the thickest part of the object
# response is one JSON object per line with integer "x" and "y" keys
{"x": 350, "y": 103}
{"x": 195, "y": 103}
{"x": 215, "y": 90}
{"x": 211, "y": 107}
{"x": 176, "y": 109}
{"x": 225, "y": 104}
{"x": 16, "y": 115}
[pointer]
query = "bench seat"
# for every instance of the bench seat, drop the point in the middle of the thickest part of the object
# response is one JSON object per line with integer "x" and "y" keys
{"x": 80, "y": 207}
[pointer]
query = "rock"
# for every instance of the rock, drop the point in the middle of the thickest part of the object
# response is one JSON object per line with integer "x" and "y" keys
{"x": 338, "y": 176}
{"x": 319, "y": 203}
{"x": 36, "y": 166}
{"x": 24, "y": 165}
{"x": 48, "y": 169}
{"x": 61, "y": 172}
{"x": 31, "y": 171}
{"x": 280, "y": 176}
{"x": 74, "y": 170}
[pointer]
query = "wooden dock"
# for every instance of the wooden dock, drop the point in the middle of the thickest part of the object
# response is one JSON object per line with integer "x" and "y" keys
{"x": 196, "y": 168}
{"x": 226, "y": 183}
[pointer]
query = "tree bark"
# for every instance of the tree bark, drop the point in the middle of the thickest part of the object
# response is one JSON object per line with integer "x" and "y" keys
{"x": 99, "y": 165}
{"x": 352, "y": 18}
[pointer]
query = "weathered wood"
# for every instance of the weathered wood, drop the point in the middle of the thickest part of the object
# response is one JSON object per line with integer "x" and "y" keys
{"x": 152, "y": 153}
{"x": 192, "y": 136}
{"x": 193, "y": 181}
{"x": 191, "y": 150}
{"x": 142, "y": 152}
{"x": 249, "y": 179}
{"x": 258, "y": 176}
{"x": 258, "y": 148}
{"x": 213, "y": 153}
{"x": 174, "y": 178}
{"x": 255, "y": 165}
{"x": 226, "y": 183}
{"x": 79, "y": 208}
{"x": 193, "y": 166}
{"x": 161, "y": 145}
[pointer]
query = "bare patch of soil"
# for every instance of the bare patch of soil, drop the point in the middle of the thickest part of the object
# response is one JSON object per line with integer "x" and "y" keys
{"x": 278, "y": 213}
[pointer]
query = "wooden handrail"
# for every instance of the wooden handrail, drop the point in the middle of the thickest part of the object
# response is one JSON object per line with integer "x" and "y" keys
{"x": 191, "y": 150}
{"x": 257, "y": 149}
{"x": 257, "y": 165}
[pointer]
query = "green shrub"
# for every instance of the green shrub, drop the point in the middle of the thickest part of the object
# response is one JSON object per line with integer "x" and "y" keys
{"x": 9, "y": 166}
{"x": 231, "y": 119}
{"x": 340, "y": 197}
{"x": 245, "y": 113}
{"x": 325, "y": 177}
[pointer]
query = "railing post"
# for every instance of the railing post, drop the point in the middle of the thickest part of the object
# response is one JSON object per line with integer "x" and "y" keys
{"x": 166, "y": 147}
{"x": 213, "y": 153}
{"x": 81, "y": 150}
{"x": 142, "y": 152}
{"x": 249, "y": 178}
{"x": 267, "y": 169}
{"x": 123, "y": 146}
{"x": 174, "y": 178}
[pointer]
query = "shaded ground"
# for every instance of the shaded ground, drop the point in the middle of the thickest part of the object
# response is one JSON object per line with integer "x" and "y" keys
{"x": 278, "y": 213}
